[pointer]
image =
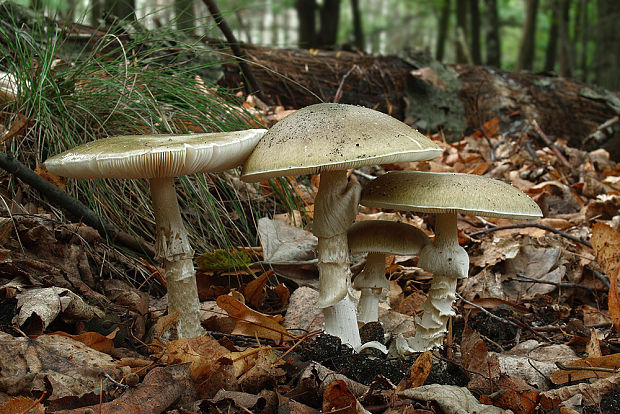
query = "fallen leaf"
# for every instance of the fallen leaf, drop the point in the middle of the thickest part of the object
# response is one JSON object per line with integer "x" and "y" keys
{"x": 418, "y": 372}
{"x": 22, "y": 405}
{"x": 204, "y": 354}
{"x": 94, "y": 340}
{"x": 338, "y": 397}
{"x": 606, "y": 246}
{"x": 595, "y": 391}
{"x": 57, "y": 180}
{"x": 251, "y": 323}
{"x": 254, "y": 291}
{"x": 450, "y": 399}
{"x": 562, "y": 376}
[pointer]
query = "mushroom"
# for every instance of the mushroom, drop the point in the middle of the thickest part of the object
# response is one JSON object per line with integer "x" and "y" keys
{"x": 378, "y": 238}
{"x": 445, "y": 194}
{"x": 328, "y": 139}
{"x": 160, "y": 158}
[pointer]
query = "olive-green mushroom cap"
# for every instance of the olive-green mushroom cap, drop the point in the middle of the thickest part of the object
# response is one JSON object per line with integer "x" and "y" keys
{"x": 156, "y": 156}
{"x": 332, "y": 137}
{"x": 387, "y": 237}
{"x": 449, "y": 193}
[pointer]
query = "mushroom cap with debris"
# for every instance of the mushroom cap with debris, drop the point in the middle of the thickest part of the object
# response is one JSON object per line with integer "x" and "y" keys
{"x": 332, "y": 137}
{"x": 429, "y": 192}
{"x": 156, "y": 156}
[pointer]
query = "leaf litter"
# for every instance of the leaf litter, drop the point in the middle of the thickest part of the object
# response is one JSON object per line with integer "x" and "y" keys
{"x": 536, "y": 328}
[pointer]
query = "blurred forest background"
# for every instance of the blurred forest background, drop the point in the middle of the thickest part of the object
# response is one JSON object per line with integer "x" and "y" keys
{"x": 573, "y": 38}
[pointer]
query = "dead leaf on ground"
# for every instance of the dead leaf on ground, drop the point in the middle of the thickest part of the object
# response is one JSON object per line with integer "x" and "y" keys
{"x": 251, "y": 323}
{"x": 337, "y": 397}
{"x": 254, "y": 291}
{"x": 594, "y": 392}
{"x": 94, "y": 340}
{"x": 22, "y": 405}
{"x": 418, "y": 372}
{"x": 611, "y": 362}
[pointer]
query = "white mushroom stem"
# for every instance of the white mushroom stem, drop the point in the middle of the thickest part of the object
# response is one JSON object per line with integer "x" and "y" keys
{"x": 373, "y": 284}
{"x": 448, "y": 262}
{"x": 335, "y": 209}
{"x": 173, "y": 249}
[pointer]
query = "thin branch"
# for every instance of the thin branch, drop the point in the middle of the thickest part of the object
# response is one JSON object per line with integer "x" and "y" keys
{"x": 537, "y": 225}
{"x": 554, "y": 148}
{"x": 526, "y": 279}
{"x": 253, "y": 86}
{"x": 70, "y": 205}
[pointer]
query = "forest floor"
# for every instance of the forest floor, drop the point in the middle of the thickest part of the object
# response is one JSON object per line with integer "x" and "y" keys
{"x": 535, "y": 328}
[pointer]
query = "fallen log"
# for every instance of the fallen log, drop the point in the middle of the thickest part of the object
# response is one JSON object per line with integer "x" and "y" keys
{"x": 432, "y": 96}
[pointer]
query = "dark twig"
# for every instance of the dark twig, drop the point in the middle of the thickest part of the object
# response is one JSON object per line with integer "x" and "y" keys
{"x": 600, "y": 276}
{"x": 554, "y": 148}
{"x": 492, "y": 315}
{"x": 253, "y": 86}
{"x": 529, "y": 328}
{"x": 537, "y": 225}
{"x": 69, "y": 204}
{"x": 526, "y": 279}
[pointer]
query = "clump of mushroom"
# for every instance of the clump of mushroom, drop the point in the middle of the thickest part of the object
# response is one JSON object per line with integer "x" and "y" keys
{"x": 379, "y": 238}
{"x": 445, "y": 194}
{"x": 329, "y": 139}
{"x": 160, "y": 158}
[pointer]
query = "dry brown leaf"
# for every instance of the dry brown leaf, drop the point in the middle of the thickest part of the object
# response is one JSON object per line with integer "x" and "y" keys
{"x": 593, "y": 348}
{"x": 251, "y": 323}
{"x": 164, "y": 323}
{"x": 606, "y": 246}
{"x": 595, "y": 391}
{"x": 562, "y": 376}
{"x": 283, "y": 294}
{"x": 338, "y": 397}
{"x": 419, "y": 372}
{"x": 57, "y": 180}
{"x": 254, "y": 291}
{"x": 484, "y": 368}
{"x": 519, "y": 398}
{"x": 93, "y": 339}
{"x": 22, "y": 405}
{"x": 204, "y": 354}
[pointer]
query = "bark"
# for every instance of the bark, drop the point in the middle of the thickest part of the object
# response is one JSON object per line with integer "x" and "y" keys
{"x": 306, "y": 13}
{"x": 295, "y": 79}
{"x": 552, "y": 43}
{"x": 185, "y": 15}
{"x": 525, "y": 60}
{"x": 608, "y": 44}
{"x": 566, "y": 47}
{"x": 474, "y": 11}
{"x": 358, "y": 32}
{"x": 330, "y": 16}
{"x": 120, "y": 9}
{"x": 492, "y": 35}
{"x": 461, "y": 31}
{"x": 444, "y": 23}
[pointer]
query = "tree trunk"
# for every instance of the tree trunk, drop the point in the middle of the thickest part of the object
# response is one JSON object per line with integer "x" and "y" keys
{"x": 584, "y": 28}
{"x": 95, "y": 12}
{"x": 552, "y": 42}
{"x": 358, "y": 32}
{"x": 442, "y": 35}
{"x": 527, "y": 48}
{"x": 492, "y": 35}
{"x": 306, "y": 12}
{"x": 608, "y": 44}
{"x": 474, "y": 11}
{"x": 120, "y": 9}
{"x": 296, "y": 79}
{"x": 330, "y": 16}
{"x": 462, "y": 54}
{"x": 566, "y": 46}
{"x": 185, "y": 15}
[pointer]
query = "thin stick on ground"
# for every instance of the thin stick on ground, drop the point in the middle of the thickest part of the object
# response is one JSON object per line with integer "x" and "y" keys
{"x": 69, "y": 204}
{"x": 537, "y": 225}
{"x": 526, "y": 279}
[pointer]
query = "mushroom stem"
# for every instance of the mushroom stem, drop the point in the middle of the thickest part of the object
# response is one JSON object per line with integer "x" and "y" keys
{"x": 372, "y": 282}
{"x": 448, "y": 262}
{"x": 341, "y": 321}
{"x": 173, "y": 249}
{"x": 335, "y": 209}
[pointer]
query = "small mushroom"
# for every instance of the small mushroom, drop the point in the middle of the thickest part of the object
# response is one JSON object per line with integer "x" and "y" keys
{"x": 160, "y": 158}
{"x": 445, "y": 194}
{"x": 328, "y": 139}
{"x": 378, "y": 238}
